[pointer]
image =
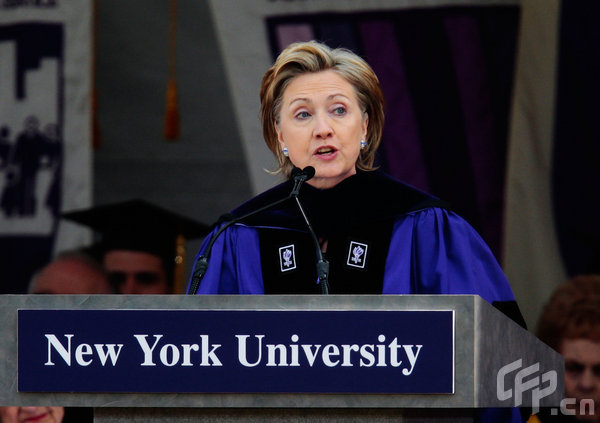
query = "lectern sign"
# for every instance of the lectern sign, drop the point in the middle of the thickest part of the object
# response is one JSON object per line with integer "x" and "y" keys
{"x": 236, "y": 351}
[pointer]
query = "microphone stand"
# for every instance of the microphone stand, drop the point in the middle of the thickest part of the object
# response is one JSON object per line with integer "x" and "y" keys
{"x": 322, "y": 264}
{"x": 300, "y": 176}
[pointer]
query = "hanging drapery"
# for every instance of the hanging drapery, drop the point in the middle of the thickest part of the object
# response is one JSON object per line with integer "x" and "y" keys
{"x": 171, "y": 129}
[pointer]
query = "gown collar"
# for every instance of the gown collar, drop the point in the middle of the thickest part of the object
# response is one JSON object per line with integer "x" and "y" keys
{"x": 360, "y": 198}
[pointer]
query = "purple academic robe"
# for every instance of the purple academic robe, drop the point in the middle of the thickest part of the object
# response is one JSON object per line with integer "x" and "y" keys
{"x": 423, "y": 248}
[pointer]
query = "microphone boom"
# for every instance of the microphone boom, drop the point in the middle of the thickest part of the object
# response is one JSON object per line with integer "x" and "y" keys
{"x": 299, "y": 175}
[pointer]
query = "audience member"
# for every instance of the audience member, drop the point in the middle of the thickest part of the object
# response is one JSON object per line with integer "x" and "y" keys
{"x": 570, "y": 324}
{"x": 31, "y": 414}
{"x": 137, "y": 272}
{"x": 72, "y": 272}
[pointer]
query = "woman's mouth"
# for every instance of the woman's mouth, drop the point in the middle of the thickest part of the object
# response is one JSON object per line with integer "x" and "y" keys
{"x": 325, "y": 151}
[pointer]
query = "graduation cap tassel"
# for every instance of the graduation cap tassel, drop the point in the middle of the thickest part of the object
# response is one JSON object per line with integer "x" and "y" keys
{"x": 179, "y": 265}
{"x": 171, "y": 128}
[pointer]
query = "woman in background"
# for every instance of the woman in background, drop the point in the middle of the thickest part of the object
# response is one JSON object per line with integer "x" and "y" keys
{"x": 31, "y": 414}
{"x": 570, "y": 324}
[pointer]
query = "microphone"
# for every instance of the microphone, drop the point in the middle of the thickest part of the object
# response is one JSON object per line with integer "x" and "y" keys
{"x": 322, "y": 264}
{"x": 299, "y": 175}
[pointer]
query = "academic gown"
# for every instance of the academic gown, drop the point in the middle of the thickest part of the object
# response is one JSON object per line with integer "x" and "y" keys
{"x": 381, "y": 236}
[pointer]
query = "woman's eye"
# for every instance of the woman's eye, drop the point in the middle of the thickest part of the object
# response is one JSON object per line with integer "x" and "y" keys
{"x": 339, "y": 111}
{"x": 302, "y": 115}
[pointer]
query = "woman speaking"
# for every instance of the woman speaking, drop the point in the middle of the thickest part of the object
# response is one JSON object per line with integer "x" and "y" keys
{"x": 349, "y": 229}
{"x": 323, "y": 108}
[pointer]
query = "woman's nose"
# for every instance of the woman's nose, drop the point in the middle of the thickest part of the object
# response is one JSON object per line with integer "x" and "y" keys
{"x": 323, "y": 129}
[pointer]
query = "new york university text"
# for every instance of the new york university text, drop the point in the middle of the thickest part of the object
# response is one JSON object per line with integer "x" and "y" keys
{"x": 252, "y": 351}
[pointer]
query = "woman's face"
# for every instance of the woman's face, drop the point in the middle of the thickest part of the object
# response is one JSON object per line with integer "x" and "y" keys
{"x": 31, "y": 414}
{"x": 321, "y": 123}
{"x": 582, "y": 375}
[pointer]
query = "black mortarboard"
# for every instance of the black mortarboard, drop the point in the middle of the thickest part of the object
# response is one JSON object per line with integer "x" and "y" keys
{"x": 141, "y": 226}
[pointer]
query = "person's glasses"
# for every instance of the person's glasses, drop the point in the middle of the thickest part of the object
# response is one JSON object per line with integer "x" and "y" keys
{"x": 142, "y": 278}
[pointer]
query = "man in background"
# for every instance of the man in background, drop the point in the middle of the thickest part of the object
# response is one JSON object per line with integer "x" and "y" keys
{"x": 71, "y": 272}
{"x": 141, "y": 246}
{"x": 136, "y": 270}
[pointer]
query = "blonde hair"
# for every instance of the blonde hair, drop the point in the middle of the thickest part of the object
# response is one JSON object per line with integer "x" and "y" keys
{"x": 311, "y": 57}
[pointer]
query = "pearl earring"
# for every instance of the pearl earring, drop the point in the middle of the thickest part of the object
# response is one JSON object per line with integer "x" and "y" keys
{"x": 286, "y": 152}
{"x": 363, "y": 144}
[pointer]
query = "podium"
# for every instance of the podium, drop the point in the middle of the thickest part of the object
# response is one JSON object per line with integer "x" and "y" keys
{"x": 485, "y": 359}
